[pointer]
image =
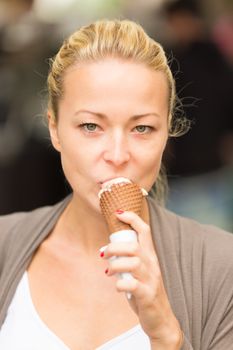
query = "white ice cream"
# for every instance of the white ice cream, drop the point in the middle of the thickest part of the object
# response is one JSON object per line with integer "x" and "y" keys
{"x": 106, "y": 186}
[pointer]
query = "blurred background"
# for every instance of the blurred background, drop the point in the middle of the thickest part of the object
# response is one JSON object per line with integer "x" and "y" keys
{"x": 198, "y": 39}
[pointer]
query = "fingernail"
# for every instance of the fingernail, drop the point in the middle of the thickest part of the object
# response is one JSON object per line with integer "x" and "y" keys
{"x": 102, "y": 249}
{"x": 119, "y": 211}
{"x": 106, "y": 271}
{"x": 102, "y": 254}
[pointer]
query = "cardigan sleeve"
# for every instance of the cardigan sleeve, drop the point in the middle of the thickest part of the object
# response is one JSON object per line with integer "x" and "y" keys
{"x": 8, "y": 223}
{"x": 217, "y": 293}
{"x": 196, "y": 261}
{"x": 223, "y": 338}
{"x": 186, "y": 344}
{"x": 212, "y": 299}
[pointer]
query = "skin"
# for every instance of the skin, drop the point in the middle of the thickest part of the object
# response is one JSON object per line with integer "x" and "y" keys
{"x": 100, "y": 135}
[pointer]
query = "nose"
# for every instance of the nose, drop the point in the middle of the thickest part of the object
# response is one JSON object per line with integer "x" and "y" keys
{"x": 117, "y": 149}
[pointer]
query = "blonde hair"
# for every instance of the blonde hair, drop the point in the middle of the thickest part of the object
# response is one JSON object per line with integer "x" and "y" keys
{"x": 112, "y": 38}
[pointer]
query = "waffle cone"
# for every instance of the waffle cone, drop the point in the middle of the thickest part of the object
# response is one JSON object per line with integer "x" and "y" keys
{"x": 125, "y": 196}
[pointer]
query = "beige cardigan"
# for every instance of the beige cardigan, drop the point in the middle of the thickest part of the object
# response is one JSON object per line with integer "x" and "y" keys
{"x": 196, "y": 262}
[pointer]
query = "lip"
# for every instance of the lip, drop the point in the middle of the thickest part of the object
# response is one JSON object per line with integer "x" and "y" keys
{"x": 108, "y": 179}
{"x": 111, "y": 178}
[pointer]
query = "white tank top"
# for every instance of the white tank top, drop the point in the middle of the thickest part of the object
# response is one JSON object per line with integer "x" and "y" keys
{"x": 23, "y": 329}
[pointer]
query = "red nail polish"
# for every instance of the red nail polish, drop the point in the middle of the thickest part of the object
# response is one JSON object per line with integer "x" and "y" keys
{"x": 106, "y": 271}
{"x": 102, "y": 254}
{"x": 119, "y": 211}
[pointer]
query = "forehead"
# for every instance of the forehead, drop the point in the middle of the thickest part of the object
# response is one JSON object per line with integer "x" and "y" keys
{"x": 115, "y": 80}
{"x": 112, "y": 70}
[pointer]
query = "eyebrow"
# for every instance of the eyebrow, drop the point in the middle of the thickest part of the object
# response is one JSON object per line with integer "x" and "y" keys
{"x": 104, "y": 116}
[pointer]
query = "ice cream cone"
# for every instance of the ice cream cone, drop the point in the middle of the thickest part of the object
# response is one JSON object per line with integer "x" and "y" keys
{"x": 120, "y": 195}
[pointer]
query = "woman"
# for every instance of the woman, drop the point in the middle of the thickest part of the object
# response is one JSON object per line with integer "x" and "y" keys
{"x": 111, "y": 101}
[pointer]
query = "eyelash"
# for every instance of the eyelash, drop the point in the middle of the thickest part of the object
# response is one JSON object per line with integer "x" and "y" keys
{"x": 147, "y": 127}
{"x": 85, "y": 125}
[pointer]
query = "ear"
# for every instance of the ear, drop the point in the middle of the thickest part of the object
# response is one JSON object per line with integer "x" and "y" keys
{"x": 52, "y": 125}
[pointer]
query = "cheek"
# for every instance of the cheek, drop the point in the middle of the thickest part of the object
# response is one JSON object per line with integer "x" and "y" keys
{"x": 74, "y": 159}
{"x": 151, "y": 161}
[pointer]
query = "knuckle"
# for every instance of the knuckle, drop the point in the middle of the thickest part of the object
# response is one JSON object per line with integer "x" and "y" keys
{"x": 157, "y": 277}
{"x": 134, "y": 248}
{"x": 146, "y": 227}
{"x": 134, "y": 284}
{"x": 152, "y": 262}
{"x": 120, "y": 285}
{"x": 137, "y": 262}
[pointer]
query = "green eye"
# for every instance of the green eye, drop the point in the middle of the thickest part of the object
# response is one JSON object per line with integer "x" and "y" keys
{"x": 142, "y": 129}
{"x": 89, "y": 127}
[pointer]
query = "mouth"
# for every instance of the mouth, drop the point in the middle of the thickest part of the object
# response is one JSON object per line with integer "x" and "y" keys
{"x": 106, "y": 184}
{"x": 103, "y": 182}
{"x": 106, "y": 180}
{"x": 115, "y": 178}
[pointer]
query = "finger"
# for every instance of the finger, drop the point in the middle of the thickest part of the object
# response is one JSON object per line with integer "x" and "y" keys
{"x": 143, "y": 229}
{"x": 121, "y": 249}
{"x": 120, "y": 265}
{"x": 133, "y": 219}
{"x": 132, "y": 286}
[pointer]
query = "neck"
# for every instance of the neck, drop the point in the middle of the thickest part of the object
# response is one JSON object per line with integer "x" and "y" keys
{"x": 88, "y": 231}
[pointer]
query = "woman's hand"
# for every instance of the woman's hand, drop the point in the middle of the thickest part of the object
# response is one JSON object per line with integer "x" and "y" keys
{"x": 149, "y": 299}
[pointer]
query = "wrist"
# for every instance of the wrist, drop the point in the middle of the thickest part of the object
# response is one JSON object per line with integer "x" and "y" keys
{"x": 173, "y": 341}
